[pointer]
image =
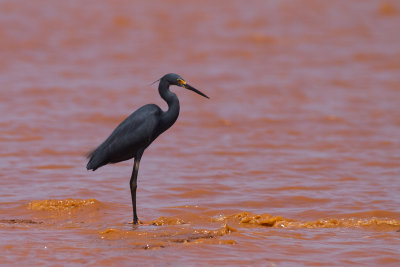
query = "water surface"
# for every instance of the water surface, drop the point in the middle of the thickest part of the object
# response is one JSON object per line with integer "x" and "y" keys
{"x": 293, "y": 161}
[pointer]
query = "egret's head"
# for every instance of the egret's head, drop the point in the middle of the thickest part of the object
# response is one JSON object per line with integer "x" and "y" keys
{"x": 175, "y": 79}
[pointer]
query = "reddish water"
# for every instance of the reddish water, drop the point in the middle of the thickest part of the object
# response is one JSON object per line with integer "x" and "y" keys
{"x": 295, "y": 159}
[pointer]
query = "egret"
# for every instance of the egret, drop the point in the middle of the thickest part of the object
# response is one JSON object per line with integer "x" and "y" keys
{"x": 138, "y": 131}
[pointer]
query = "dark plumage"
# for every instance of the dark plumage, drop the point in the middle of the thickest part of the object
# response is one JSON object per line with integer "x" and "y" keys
{"x": 138, "y": 131}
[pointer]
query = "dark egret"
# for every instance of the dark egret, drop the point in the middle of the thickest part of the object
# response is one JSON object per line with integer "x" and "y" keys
{"x": 138, "y": 131}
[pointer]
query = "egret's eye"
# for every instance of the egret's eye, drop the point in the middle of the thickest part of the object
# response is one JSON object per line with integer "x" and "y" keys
{"x": 181, "y": 82}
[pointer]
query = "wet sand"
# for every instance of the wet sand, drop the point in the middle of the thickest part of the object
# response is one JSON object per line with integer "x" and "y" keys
{"x": 295, "y": 159}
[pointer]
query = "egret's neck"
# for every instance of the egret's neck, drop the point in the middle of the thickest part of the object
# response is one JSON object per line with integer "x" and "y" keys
{"x": 169, "y": 117}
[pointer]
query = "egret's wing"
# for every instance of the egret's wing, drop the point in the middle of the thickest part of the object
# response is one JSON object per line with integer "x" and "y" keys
{"x": 134, "y": 133}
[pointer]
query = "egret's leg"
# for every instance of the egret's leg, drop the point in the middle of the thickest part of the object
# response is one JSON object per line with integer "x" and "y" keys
{"x": 133, "y": 185}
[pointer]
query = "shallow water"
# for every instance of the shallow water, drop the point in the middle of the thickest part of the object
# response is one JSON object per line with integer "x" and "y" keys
{"x": 293, "y": 161}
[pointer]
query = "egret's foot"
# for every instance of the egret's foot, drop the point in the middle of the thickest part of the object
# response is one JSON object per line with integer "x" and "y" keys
{"x": 138, "y": 222}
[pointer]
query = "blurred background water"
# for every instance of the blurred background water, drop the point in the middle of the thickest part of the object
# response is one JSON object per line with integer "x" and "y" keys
{"x": 302, "y": 132}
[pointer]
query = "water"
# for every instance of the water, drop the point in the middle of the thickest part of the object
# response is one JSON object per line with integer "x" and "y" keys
{"x": 293, "y": 161}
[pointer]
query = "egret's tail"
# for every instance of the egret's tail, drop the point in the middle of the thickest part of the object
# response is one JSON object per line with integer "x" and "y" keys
{"x": 94, "y": 160}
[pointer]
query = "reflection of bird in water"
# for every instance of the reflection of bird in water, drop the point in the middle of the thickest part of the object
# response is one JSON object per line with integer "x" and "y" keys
{"x": 138, "y": 131}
